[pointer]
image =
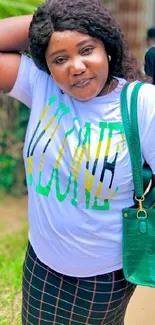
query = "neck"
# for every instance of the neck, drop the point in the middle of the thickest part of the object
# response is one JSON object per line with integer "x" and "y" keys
{"x": 109, "y": 87}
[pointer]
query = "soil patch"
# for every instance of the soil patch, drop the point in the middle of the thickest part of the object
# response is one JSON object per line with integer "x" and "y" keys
{"x": 13, "y": 213}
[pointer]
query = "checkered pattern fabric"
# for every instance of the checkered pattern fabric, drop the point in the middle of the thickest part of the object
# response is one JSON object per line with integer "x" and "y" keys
{"x": 52, "y": 298}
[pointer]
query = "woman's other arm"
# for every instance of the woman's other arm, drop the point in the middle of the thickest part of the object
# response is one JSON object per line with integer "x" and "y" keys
{"x": 13, "y": 39}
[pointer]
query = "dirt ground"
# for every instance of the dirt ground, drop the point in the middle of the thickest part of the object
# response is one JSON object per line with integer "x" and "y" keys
{"x": 141, "y": 310}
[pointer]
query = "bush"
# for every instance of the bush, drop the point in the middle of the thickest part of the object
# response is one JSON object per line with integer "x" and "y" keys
{"x": 13, "y": 121}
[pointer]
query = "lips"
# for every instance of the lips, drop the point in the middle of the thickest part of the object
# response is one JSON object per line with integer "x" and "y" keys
{"x": 82, "y": 83}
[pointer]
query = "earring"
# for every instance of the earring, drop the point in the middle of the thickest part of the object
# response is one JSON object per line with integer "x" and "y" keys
{"x": 109, "y": 58}
{"x": 51, "y": 76}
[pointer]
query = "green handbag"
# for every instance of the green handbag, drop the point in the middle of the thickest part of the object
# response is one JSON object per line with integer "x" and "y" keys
{"x": 139, "y": 220}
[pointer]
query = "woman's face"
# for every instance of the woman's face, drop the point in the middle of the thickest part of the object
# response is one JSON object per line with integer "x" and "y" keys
{"x": 78, "y": 63}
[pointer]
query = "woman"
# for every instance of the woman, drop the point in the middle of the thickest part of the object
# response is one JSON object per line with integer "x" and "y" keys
{"x": 77, "y": 162}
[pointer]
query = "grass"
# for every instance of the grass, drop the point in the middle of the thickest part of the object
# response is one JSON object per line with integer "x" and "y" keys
{"x": 12, "y": 252}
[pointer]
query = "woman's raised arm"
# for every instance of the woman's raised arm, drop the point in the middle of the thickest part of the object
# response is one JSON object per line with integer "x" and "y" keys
{"x": 13, "y": 39}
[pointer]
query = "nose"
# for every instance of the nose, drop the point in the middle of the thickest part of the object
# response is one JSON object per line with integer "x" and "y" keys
{"x": 77, "y": 67}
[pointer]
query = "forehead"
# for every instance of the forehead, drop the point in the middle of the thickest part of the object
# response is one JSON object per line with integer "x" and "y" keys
{"x": 68, "y": 38}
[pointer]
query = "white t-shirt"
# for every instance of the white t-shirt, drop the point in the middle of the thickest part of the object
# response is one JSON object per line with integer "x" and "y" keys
{"x": 79, "y": 172}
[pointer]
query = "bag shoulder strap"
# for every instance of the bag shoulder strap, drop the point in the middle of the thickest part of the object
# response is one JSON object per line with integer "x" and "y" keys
{"x": 130, "y": 123}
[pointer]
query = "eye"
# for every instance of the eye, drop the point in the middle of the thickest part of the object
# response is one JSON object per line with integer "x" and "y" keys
{"x": 87, "y": 50}
{"x": 60, "y": 60}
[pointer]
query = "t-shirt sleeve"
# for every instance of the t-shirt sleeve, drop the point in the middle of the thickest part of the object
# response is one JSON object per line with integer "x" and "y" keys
{"x": 146, "y": 112}
{"x": 25, "y": 82}
{"x": 150, "y": 62}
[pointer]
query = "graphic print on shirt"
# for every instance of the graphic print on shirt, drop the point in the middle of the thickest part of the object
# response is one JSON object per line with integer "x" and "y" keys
{"x": 82, "y": 152}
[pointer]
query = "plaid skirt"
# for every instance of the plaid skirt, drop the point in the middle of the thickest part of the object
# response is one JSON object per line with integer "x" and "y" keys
{"x": 53, "y": 298}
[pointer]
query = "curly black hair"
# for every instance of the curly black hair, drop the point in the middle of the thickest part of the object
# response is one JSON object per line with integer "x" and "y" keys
{"x": 85, "y": 16}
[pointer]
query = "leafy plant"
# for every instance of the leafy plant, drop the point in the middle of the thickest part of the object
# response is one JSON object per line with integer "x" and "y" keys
{"x": 18, "y": 7}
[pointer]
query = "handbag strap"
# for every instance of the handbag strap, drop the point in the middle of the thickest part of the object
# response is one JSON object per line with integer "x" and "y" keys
{"x": 130, "y": 123}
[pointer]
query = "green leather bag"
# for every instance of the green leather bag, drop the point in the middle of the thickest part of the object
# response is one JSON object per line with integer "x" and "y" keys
{"x": 139, "y": 220}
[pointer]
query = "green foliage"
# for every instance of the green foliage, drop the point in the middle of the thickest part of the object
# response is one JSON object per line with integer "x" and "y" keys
{"x": 18, "y": 7}
{"x": 12, "y": 175}
{"x": 8, "y": 166}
